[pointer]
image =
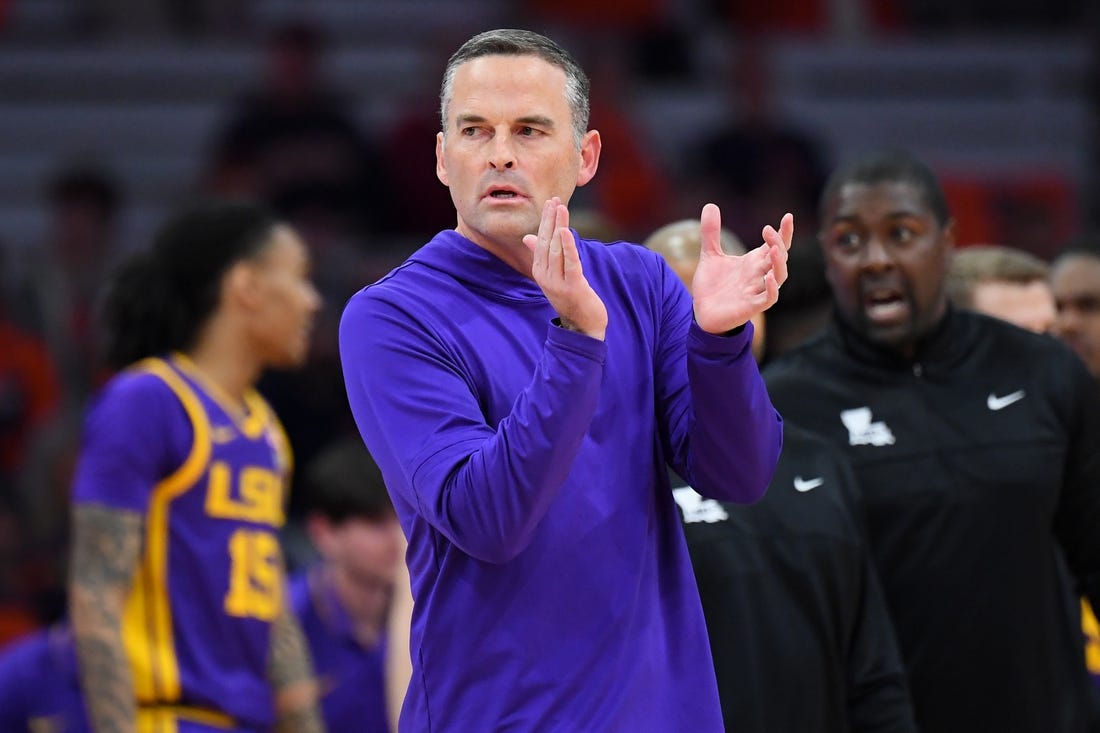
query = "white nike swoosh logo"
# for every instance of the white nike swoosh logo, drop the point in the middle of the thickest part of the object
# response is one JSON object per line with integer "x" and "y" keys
{"x": 801, "y": 484}
{"x": 221, "y": 434}
{"x": 999, "y": 403}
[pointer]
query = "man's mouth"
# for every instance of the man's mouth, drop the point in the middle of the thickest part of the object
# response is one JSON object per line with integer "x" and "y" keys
{"x": 503, "y": 194}
{"x": 884, "y": 304}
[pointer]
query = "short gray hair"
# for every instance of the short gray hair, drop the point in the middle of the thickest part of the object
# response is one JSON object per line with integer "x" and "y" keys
{"x": 515, "y": 42}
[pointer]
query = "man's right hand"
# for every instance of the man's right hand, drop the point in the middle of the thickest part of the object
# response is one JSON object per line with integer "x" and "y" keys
{"x": 557, "y": 270}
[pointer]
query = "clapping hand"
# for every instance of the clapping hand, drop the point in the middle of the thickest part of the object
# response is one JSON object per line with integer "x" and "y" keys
{"x": 728, "y": 290}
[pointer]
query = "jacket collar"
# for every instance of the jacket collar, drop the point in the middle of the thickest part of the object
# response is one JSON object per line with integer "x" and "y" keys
{"x": 941, "y": 348}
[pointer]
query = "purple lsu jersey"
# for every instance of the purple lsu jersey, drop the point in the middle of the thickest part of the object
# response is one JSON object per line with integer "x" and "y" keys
{"x": 39, "y": 690}
{"x": 210, "y": 483}
{"x": 352, "y": 676}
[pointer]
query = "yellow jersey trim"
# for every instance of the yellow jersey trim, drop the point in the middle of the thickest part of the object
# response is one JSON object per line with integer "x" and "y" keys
{"x": 256, "y": 413}
{"x": 147, "y": 620}
{"x": 168, "y": 715}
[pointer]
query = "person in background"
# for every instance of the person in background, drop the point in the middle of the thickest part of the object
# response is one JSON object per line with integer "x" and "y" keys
{"x": 294, "y": 136}
{"x": 63, "y": 277}
{"x": 1014, "y": 286}
{"x": 1075, "y": 279}
{"x": 1075, "y": 282}
{"x": 39, "y": 685}
{"x": 176, "y": 588}
{"x": 347, "y": 603}
{"x": 973, "y": 442}
{"x": 524, "y": 413}
{"x": 799, "y": 631}
{"x": 344, "y": 600}
{"x": 1005, "y": 283}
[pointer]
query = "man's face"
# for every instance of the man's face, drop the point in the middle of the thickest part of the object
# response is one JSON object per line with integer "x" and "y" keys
{"x": 1028, "y": 305}
{"x": 508, "y": 146}
{"x": 284, "y": 300}
{"x": 1075, "y": 280}
{"x": 885, "y": 259}
{"x": 365, "y": 555}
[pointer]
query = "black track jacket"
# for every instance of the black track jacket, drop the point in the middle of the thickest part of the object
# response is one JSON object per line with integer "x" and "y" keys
{"x": 979, "y": 468}
{"x": 798, "y": 627}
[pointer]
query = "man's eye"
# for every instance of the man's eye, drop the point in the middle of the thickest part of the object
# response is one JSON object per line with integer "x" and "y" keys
{"x": 527, "y": 131}
{"x": 847, "y": 240}
{"x": 469, "y": 131}
{"x": 903, "y": 234}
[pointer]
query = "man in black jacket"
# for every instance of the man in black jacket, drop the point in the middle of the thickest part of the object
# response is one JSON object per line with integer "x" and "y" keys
{"x": 799, "y": 630}
{"x": 975, "y": 445}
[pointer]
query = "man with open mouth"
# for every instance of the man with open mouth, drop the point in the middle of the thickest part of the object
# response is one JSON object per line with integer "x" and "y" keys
{"x": 974, "y": 446}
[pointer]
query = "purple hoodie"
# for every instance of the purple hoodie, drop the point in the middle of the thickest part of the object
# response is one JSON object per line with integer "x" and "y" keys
{"x": 527, "y": 464}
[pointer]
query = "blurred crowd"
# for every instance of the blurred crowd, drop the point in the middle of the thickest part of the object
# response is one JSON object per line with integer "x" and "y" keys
{"x": 362, "y": 199}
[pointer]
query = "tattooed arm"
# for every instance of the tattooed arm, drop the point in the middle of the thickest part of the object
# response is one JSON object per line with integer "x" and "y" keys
{"x": 106, "y": 552}
{"x": 291, "y": 674}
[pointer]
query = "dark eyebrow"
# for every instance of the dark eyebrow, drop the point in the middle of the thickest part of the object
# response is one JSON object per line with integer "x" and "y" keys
{"x": 845, "y": 219}
{"x": 536, "y": 120}
{"x": 892, "y": 216}
{"x": 461, "y": 120}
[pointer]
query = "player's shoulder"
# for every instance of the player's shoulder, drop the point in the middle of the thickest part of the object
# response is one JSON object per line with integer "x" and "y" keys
{"x": 142, "y": 387}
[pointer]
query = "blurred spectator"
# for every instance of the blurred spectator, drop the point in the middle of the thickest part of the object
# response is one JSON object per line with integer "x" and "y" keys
{"x": 343, "y": 600}
{"x": 610, "y": 16}
{"x": 39, "y": 688}
{"x": 1075, "y": 278}
{"x": 29, "y": 394}
{"x": 17, "y": 616}
{"x": 1003, "y": 282}
{"x": 757, "y": 166}
{"x": 418, "y": 200}
{"x": 144, "y": 18}
{"x": 58, "y": 298}
{"x": 59, "y": 295}
{"x": 632, "y": 190}
{"x": 295, "y": 136}
{"x": 984, "y": 15}
{"x": 846, "y": 18}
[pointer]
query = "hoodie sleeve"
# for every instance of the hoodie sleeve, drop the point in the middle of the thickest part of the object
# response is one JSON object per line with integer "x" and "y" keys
{"x": 483, "y": 487}
{"x": 720, "y": 430}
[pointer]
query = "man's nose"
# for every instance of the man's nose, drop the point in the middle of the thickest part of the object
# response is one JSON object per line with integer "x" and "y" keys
{"x": 501, "y": 153}
{"x": 876, "y": 255}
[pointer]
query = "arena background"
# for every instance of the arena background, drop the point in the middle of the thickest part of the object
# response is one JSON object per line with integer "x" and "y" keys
{"x": 112, "y": 112}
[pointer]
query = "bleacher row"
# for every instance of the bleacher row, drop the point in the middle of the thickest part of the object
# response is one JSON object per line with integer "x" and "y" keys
{"x": 998, "y": 109}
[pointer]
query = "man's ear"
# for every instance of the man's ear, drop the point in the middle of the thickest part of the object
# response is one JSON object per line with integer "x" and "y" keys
{"x": 319, "y": 529}
{"x": 239, "y": 284}
{"x": 591, "y": 144}
{"x": 949, "y": 234}
{"x": 440, "y": 165}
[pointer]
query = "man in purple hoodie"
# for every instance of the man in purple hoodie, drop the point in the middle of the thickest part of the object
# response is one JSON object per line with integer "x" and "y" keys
{"x": 523, "y": 390}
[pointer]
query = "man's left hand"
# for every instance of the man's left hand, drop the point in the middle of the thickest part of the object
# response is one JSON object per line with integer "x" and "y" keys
{"x": 728, "y": 290}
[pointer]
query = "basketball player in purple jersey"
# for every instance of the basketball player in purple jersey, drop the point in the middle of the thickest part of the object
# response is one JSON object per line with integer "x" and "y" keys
{"x": 177, "y": 583}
